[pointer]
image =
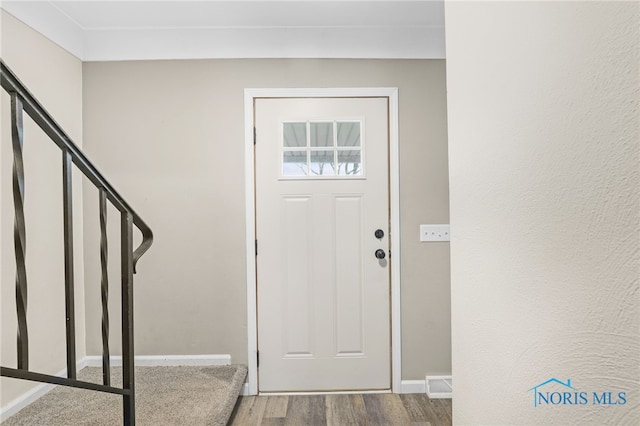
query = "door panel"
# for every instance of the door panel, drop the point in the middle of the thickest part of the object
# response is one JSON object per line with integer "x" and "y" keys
{"x": 321, "y": 192}
{"x": 349, "y": 283}
{"x": 297, "y": 318}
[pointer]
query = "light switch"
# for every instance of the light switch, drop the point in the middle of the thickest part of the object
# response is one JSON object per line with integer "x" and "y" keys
{"x": 435, "y": 233}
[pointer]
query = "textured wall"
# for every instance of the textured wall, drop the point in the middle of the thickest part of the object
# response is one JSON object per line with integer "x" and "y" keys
{"x": 544, "y": 159}
{"x": 171, "y": 135}
{"x": 55, "y": 78}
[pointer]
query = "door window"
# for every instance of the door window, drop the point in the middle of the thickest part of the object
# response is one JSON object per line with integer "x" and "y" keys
{"x": 322, "y": 149}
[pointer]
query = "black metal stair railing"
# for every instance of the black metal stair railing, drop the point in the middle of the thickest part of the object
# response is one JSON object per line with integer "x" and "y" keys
{"x": 23, "y": 101}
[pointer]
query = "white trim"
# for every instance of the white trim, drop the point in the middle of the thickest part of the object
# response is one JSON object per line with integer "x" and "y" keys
{"x": 412, "y": 386}
{"x": 163, "y": 360}
{"x": 34, "y": 394}
{"x": 245, "y": 390}
{"x": 376, "y": 40}
{"x": 395, "y": 256}
{"x": 253, "y": 42}
{"x": 249, "y": 191}
{"x": 420, "y": 386}
{"x": 48, "y": 20}
{"x": 394, "y": 162}
{"x": 439, "y": 395}
{"x": 348, "y": 392}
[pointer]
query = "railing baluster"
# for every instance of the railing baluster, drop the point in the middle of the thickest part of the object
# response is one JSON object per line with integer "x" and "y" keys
{"x": 128, "y": 380}
{"x": 67, "y": 201}
{"x": 19, "y": 234}
{"x": 23, "y": 101}
{"x": 104, "y": 285}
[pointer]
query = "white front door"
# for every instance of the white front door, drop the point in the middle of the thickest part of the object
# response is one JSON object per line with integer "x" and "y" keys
{"x": 322, "y": 192}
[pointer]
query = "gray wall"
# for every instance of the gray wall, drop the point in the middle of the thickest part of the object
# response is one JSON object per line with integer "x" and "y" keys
{"x": 55, "y": 78}
{"x": 544, "y": 147}
{"x": 170, "y": 135}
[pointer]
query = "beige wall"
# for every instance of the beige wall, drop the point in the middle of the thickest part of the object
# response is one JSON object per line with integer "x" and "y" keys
{"x": 170, "y": 136}
{"x": 543, "y": 145}
{"x": 55, "y": 78}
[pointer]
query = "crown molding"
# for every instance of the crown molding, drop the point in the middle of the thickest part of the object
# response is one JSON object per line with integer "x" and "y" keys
{"x": 264, "y": 43}
{"x": 118, "y": 44}
{"x": 49, "y": 21}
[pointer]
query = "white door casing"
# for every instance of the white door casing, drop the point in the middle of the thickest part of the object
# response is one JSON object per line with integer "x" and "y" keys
{"x": 321, "y": 193}
{"x": 344, "y": 203}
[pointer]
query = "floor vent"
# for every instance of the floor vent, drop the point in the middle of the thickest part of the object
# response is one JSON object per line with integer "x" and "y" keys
{"x": 439, "y": 387}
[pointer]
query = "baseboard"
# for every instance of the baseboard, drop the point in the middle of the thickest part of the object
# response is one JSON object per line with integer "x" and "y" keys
{"x": 406, "y": 386}
{"x": 96, "y": 361}
{"x": 34, "y": 394}
{"x": 164, "y": 360}
{"x": 245, "y": 390}
{"x": 439, "y": 387}
{"x": 412, "y": 386}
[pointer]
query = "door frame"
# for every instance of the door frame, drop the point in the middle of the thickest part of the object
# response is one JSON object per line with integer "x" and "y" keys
{"x": 250, "y": 95}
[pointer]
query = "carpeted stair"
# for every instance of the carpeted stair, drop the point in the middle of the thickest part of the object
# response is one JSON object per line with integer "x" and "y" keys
{"x": 185, "y": 395}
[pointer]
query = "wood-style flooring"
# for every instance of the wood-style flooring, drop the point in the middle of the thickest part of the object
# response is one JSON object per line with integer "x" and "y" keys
{"x": 342, "y": 410}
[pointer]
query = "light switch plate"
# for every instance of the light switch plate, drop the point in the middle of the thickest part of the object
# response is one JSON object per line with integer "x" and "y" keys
{"x": 435, "y": 233}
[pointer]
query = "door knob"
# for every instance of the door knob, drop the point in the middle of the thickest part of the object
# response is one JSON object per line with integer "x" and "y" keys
{"x": 379, "y": 233}
{"x": 380, "y": 254}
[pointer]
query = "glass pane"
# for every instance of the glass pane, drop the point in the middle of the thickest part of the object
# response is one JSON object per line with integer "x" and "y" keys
{"x": 295, "y": 134}
{"x": 294, "y": 163}
{"x": 322, "y": 163}
{"x": 321, "y": 134}
{"x": 349, "y": 163}
{"x": 349, "y": 134}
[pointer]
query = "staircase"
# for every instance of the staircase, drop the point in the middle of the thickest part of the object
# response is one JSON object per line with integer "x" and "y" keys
{"x": 72, "y": 158}
{"x": 178, "y": 395}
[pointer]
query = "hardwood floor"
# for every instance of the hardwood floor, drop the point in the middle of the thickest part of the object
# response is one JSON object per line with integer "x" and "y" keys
{"x": 342, "y": 410}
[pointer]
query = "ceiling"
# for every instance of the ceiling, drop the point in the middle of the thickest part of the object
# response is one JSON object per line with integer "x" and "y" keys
{"x": 151, "y": 29}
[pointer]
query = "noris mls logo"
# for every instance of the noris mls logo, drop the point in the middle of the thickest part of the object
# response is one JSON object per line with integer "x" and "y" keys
{"x": 556, "y": 392}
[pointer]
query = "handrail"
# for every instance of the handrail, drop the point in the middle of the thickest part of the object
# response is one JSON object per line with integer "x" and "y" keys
{"x": 39, "y": 114}
{"x": 23, "y": 101}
